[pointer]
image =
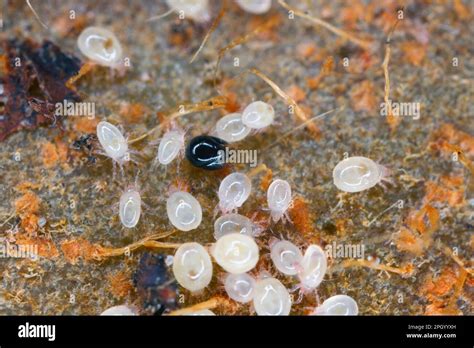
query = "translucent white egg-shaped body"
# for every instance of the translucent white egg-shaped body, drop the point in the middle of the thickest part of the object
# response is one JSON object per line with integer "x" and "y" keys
{"x": 197, "y": 10}
{"x": 255, "y": 6}
{"x": 234, "y": 191}
{"x": 201, "y": 312}
{"x": 130, "y": 208}
{"x": 271, "y": 297}
{"x": 278, "y": 198}
{"x": 170, "y": 146}
{"x": 258, "y": 115}
{"x": 232, "y": 223}
{"x": 184, "y": 211}
{"x": 119, "y": 310}
{"x": 338, "y": 305}
{"x": 192, "y": 266}
{"x": 355, "y": 174}
{"x": 313, "y": 267}
{"x": 101, "y": 46}
{"x": 286, "y": 257}
{"x": 240, "y": 287}
{"x": 231, "y": 128}
{"x": 112, "y": 140}
{"x": 236, "y": 253}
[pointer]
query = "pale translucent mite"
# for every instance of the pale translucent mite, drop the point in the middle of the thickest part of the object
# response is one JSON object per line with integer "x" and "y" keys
{"x": 286, "y": 257}
{"x": 240, "y": 287}
{"x": 120, "y": 310}
{"x": 234, "y": 191}
{"x": 313, "y": 268}
{"x": 231, "y": 129}
{"x": 197, "y": 10}
{"x": 338, "y": 305}
{"x": 184, "y": 211}
{"x": 278, "y": 198}
{"x": 258, "y": 115}
{"x": 232, "y": 223}
{"x": 192, "y": 266}
{"x": 271, "y": 297}
{"x": 113, "y": 142}
{"x": 101, "y": 46}
{"x": 236, "y": 253}
{"x": 255, "y": 6}
{"x": 130, "y": 208}
{"x": 171, "y": 145}
{"x": 355, "y": 174}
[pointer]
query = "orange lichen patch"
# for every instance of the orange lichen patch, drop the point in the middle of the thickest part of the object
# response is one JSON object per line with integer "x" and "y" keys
{"x": 29, "y": 203}
{"x": 132, "y": 112}
{"x": 303, "y": 220}
{"x": 305, "y": 50}
{"x": 46, "y": 247}
{"x": 50, "y": 155}
{"x": 80, "y": 248}
{"x": 327, "y": 67}
{"x": 361, "y": 62}
{"x": 85, "y": 125}
{"x": 462, "y": 11}
{"x": 296, "y": 93}
{"x": 26, "y": 186}
{"x": 264, "y": 26}
{"x": 120, "y": 285}
{"x": 447, "y": 135}
{"x": 442, "y": 291}
{"x": 408, "y": 241}
{"x": 413, "y": 52}
{"x": 29, "y": 223}
{"x": 266, "y": 180}
{"x": 363, "y": 96}
{"x": 425, "y": 220}
{"x": 232, "y": 103}
{"x": 3, "y": 64}
{"x": 450, "y": 192}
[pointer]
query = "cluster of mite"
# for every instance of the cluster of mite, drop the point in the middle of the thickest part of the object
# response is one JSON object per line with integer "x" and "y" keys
{"x": 235, "y": 249}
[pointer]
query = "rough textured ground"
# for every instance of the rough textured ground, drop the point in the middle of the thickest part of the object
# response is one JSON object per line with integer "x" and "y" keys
{"x": 429, "y": 240}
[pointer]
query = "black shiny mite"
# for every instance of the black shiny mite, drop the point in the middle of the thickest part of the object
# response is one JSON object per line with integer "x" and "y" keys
{"x": 203, "y": 151}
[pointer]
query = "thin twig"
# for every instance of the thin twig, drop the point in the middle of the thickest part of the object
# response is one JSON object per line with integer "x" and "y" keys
{"x": 362, "y": 43}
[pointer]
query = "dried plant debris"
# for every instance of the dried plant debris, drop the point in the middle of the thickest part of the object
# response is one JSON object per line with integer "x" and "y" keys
{"x": 155, "y": 286}
{"x": 34, "y": 82}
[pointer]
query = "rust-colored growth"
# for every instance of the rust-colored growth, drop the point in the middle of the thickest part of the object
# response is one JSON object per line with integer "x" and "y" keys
{"x": 46, "y": 247}
{"x": 180, "y": 33}
{"x": 425, "y": 220}
{"x": 449, "y": 191}
{"x": 25, "y": 186}
{"x": 363, "y": 96}
{"x": 442, "y": 291}
{"x": 296, "y": 93}
{"x": 264, "y": 26}
{"x": 29, "y": 223}
{"x": 29, "y": 203}
{"x": 232, "y": 103}
{"x": 133, "y": 112}
{"x": 80, "y": 248}
{"x": 50, "y": 155}
{"x": 327, "y": 67}
{"x": 303, "y": 220}
{"x": 120, "y": 285}
{"x": 446, "y": 136}
{"x": 463, "y": 12}
{"x": 306, "y": 50}
{"x": 266, "y": 180}
{"x": 408, "y": 241}
{"x": 85, "y": 125}
{"x": 413, "y": 52}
